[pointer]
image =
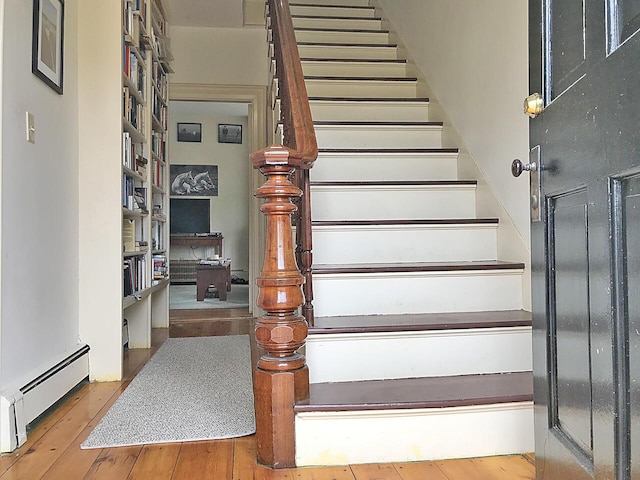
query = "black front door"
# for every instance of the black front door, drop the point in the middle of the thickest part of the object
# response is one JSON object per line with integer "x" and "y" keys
{"x": 585, "y": 61}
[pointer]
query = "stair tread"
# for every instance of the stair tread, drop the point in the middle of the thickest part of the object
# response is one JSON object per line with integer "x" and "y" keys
{"x": 354, "y": 60}
{"x": 340, "y": 30}
{"x": 370, "y": 99}
{"x": 329, "y": 17}
{"x": 436, "y": 221}
{"x": 388, "y": 150}
{"x": 376, "y": 123}
{"x": 429, "y": 183}
{"x": 420, "y": 322}
{"x": 362, "y": 79}
{"x": 319, "y": 269}
{"x": 431, "y": 392}
{"x": 363, "y": 7}
{"x": 363, "y": 45}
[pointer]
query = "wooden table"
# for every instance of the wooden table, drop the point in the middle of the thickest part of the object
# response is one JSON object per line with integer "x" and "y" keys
{"x": 217, "y": 275}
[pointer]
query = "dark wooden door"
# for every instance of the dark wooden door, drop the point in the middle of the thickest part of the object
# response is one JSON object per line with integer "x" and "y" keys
{"x": 585, "y": 61}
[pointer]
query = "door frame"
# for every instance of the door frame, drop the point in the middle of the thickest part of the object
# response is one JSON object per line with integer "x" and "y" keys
{"x": 256, "y": 97}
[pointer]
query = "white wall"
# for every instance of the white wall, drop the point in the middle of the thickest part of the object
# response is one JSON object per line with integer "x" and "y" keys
{"x": 474, "y": 58}
{"x": 230, "y": 209}
{"x": 39, "y": 228}
{"x": 221, "y": 56}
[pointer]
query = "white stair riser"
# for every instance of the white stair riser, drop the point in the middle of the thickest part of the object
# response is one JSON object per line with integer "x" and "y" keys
{"x": 409, "y": 244}
{"x": 359, "y": 53}
{"x": 364, "y": 111}
{"x": 323, "y": 36}
{"x": 392, "y": 202}
{"x": 332, "y": 11}
{"x": 341, "y": 23}
{"x": 353, "y": 69}
{"x": 340, "y": 438}
{"x": 356, "y": 3}
{"x": 384, "y": 166}
{"x": 378, "y": 136}
{"x": 442, "y": 353}
{"x": 355, "y": 89}
{"x": 423, "y": 292}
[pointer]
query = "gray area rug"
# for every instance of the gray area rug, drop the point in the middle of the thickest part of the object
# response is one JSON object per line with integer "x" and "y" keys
{"x": 183, "y": 297}
{"x": 192, "y": 389}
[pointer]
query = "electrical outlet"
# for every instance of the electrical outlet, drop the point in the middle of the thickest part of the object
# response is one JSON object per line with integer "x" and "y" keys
{"x": 31, "y": 128}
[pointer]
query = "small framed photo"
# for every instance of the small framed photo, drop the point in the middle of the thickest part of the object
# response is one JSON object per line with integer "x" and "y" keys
{"x": 48, "y": 41}
{"x": 229, "y": 133}
{"x": 190, "y": 132}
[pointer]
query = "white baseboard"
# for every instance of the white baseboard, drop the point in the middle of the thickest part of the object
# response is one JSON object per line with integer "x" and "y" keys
{"x": 29, "y": 398}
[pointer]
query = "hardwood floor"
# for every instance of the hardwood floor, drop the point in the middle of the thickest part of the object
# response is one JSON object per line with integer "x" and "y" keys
{"x": 52, "y": 451}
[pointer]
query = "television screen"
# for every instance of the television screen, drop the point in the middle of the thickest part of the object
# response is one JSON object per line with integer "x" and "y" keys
{"x": 189, "y": 215}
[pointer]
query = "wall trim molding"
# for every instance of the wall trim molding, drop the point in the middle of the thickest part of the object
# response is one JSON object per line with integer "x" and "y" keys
{"x": 256, "y": 97}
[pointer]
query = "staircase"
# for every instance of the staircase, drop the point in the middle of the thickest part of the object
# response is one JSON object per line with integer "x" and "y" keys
{"x": 420, "y": 348}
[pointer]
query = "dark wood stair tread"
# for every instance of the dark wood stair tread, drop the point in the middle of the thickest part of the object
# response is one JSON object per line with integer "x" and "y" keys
{"x": 359, "y": 45}
{"x": 369, "y": 99}
{"x": 389, "y": 150}
{"x": 340, "y": 30}
{"x": 420, "y": 322}
{"x": 432, "y": 392}
{"x": 329, "y": 17}
{"x": 362, "y": 79}
{"x": 388, "y": 223}
{"x": 354, "y": 60}
{"x": 363, "y": 7}
{"x": 375, "y": 123}
{"x": 416, "y": 267}
{"x": 392, "y": 183}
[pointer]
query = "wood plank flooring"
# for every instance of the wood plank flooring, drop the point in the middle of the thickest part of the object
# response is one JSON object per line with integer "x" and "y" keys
{"x": 52, "y": 451}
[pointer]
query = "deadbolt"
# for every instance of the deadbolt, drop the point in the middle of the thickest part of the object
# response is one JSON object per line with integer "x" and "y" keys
{"x": 533, "y": 105}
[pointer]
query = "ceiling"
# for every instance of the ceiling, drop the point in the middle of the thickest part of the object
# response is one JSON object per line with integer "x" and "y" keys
{"x": 206, "y": 13}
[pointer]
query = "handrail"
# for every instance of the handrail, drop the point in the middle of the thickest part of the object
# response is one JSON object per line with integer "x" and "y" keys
{"x": 284, "y": 285}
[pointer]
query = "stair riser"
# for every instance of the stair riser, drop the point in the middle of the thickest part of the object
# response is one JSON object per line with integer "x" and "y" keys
{"x": 373, "y": 136}
{"x": 340, "y": 23}
{"x": 342, "y": 438}
{"x": 390, "y": 203}
{"x": 411, "y": 244}
{"x": 358, "y": 53}
{"x": 383, "y": 356}
{"x": 355, "y": 3}
{"x": 364, "y": 111}
{"x": 354, "y": 69}
{"x": 398, "y": 293}
{"x": 320, "y": 36}
{"x": 332, "y": 11}
{"x": 384, "y": 166}
{"x": 355, "y": 89}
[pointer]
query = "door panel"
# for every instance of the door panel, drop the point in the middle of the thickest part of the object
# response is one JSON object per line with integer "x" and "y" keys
{"x": 586, "y": 249}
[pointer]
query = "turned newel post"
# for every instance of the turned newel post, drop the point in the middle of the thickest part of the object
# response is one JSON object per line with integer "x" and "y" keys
{"x": 282, "y": 376}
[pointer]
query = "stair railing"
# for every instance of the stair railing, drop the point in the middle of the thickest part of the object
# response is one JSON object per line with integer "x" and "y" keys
{"x": 282, "y": 377}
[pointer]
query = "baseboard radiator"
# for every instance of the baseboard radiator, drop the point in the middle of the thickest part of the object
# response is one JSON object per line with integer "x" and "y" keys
{"x": 22, "y": 404}
{"x": 183, "y": 271}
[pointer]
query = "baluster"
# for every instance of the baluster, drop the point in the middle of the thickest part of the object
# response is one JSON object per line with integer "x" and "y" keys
{"x": 305, "y": 257}
{"x": 282, "y": 377}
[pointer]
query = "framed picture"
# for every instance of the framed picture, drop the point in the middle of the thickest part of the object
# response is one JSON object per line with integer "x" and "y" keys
{"x": 229, "y": 133}
{"x": 189, "y": 132}
{"x": 48, "y": 41}
{"x": 193, "y": 180}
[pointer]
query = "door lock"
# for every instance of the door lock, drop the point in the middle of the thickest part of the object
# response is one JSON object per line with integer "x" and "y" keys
{"x": 533, "y": 105}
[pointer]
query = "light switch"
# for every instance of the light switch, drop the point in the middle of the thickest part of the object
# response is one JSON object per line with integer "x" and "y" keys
{"x": 31, "y": 128}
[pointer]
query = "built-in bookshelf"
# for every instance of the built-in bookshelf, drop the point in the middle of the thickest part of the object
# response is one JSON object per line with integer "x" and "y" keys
{"x": 145, "y": 65}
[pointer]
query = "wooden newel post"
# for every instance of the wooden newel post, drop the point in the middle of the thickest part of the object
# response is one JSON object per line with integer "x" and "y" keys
{"x": 282, "y": 376}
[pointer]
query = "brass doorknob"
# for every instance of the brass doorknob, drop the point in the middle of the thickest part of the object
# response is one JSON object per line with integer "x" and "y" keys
{"x": 517, "y": 167}
{"x": 533, "y": 105}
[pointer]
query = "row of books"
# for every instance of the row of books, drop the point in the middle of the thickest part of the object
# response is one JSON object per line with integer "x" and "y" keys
{"x": 160, "y": 79}
{"x": 157, "y": 173}
{"x": 133, "y": 110}
{"x": 133, "y": 197}
{"x": 133, "y": 155}
{"x": 157, "y": 236}
{"x": 158, "y": 144}
{"x": 133, "y": 66}
{"x": 160, "y": 267}
{"x": 135, "y": 274}
{"x": 159, "y": 108}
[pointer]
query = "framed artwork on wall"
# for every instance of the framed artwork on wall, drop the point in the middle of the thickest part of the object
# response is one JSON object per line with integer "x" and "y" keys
{"x": 194, "y": 180}
{"x": 190, "y": 132}
{"x": 229, "y": 133}
{"x": 48, "y": 42}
